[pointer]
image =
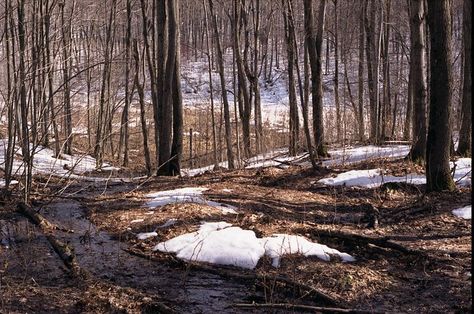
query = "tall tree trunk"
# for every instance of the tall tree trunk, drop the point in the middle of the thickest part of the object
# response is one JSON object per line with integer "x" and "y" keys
{"x": 438, "y": 176}
{"x": 360, "y": 112}
{"x": 11, "y": 140}
{"x": 417, "y": 70}
{"x": 220, "y": 63}
{"x": 177, "y": 144}
{"x": 245, "y": 106}
{"x": 165, "y": 85}
{"x": 103, "y": 100}
{"x": 304, "y": 96}
{"x": 336, "y": 73}
{"x": 23, "y": 104}
{"x": 387, "y": 86}
{"x": 290, "y": 48}
{"x": 465, "y": 136}
{"x": 124, "y": 127}
{"x": 66, "y": 50}
{"x": 372, "y": 66}
{"x": 156, "y": 79}
{"x": 141, "y": 96}
{"x": 314, "y": 42}
{"x": 211, "y": 87}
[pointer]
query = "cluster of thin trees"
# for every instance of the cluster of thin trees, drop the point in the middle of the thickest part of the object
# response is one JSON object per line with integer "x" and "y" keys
{"x": 401, "y": 69}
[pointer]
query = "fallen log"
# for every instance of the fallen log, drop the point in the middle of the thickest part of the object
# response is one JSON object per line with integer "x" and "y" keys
{"x": 64, "y": 251}
{"x": 38, "y": 219}
{"x": 385, "y": 242}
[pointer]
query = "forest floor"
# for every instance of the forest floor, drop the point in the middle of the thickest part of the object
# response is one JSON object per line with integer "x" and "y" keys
{"x": 412, "y": 254}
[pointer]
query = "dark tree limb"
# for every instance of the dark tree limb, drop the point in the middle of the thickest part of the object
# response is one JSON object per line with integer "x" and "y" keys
{"x": 38, "y": 219}
{"x": 64, "y": 251}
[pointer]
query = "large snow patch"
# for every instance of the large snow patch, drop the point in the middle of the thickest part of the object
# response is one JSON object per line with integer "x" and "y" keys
{"x": 372, "y": 178}
{"x": 186, "y": 195}
{"x": 221, "y": 243}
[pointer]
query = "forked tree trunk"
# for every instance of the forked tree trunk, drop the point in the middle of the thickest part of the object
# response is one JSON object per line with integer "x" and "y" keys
{"x": 141, "y": 96}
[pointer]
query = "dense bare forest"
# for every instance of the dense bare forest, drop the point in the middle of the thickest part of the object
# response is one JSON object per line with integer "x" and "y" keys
{"x": 235, "y": 156}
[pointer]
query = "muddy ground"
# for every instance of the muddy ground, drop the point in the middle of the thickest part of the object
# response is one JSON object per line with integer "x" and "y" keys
{"x": 412, "y": 254}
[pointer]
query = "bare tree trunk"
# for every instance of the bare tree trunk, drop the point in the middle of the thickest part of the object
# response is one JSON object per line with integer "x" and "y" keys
{"x": 361, "y": 72}
{"x": 103, "y": 112}
{"x": 165, "y": 86}
{"x": 387, "y": 97}
{"x": 66, "y": 50}
{"x": 177, "y": 144}
{"x": 11, "y": 140}
{"x": 290, "y": 47}
{"x": 372, "y": 67}
{"x": 465, "y": 136}
{"x": 124, "y": 127}
{"x": 438, "y": 176}
{"x": 314, "y": 42}
{"x": 245, "y": 107}
{"x": 156, "y": 80}
{"x": 220, "y": 62}
{"x": 23, "y": 104}
{"x": 141, "y": 96}
{"x": 417, "y": 72}
{"x": 211, "y": 89}
{"x": 336, "y": 73}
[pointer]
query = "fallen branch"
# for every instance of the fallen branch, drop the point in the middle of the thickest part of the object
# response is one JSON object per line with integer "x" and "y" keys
{"x": 65, "y": 252}
{"x": 385, "y": 242}
{"x": 300, "y": 307}
{"x": 39, "y": 220}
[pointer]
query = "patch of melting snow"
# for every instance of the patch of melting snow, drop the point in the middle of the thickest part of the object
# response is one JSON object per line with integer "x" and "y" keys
{"x": 350, "y": 155}
{"x": 221, "y": 243}
{"x": 340, "y": 156}
{"x": 45, "y": 162}
{"x": 186, "y": 195}
{"x": 2, "y": 182}
{"x": 146, "y": 235}
{"x": 372, "y": 178}
{"x": 463, "y": 212}
{"x": 281, "y": 244}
